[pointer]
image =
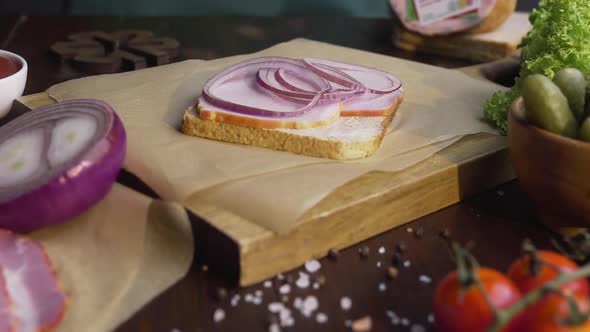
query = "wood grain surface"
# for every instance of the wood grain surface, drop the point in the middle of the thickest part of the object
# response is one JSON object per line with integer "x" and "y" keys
{"x": 496, "y": 221}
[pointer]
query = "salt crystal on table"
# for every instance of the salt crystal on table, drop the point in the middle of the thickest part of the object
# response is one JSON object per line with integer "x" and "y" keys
{"x": 267, "y": 284}
{"x": 430, "y": 318}
{"x": 321, "y": 318}
{"x": 310, "y": 304}
{"x": 313, "y": 266}
{"x": 382, "y": 287}
{"x": 316, "y": 285}
{"x": 257, "y": 301}
{"x": 425, "y": 279}
{"x": 417, "y": 328}
{"x": 378, "y": 264}
{"x": 348, "y": 323}
{"x": 409, "y": 229}
{"x": 274, "y": 328}
{"x": 275, "y": 307}
{"x": 258, "y": 293}
{"x": 285, "y": 289}
{"x": 405, "y": 322}
{"x": 407, "y": 263}
{"x": 382, "y": 250}
{"x": 218, "y": 315}
{"x": 345, "y": 303}
{"x": 297, "y": 303}
{"x": 280, "y": 276}
{"x": 235, "y": 300}
{"x": 303, "y": 280}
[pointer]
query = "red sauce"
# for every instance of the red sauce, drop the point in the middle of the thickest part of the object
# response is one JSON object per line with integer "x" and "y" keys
{"x": 8, "y": 66}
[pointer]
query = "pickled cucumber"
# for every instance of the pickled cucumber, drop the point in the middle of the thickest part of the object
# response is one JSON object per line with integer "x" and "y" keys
{"x": 585, "y": 130}
{"x": 573, "y": 85}
{"x": 547, "y": 107}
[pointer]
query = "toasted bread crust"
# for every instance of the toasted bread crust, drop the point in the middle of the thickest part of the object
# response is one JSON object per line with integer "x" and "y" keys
{"x": 193, "y": 125}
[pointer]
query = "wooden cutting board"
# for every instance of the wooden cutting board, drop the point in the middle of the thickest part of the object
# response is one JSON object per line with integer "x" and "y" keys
{"x": 369, "y": 205}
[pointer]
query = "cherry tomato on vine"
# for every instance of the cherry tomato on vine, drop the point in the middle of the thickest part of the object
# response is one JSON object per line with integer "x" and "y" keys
{"x": 461, "y": 307}
{"x": 551, "y": 314}
{"x": 523, "y": 273}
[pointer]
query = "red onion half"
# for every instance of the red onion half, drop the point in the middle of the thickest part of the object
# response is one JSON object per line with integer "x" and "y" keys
{"x": 58, "y": 161}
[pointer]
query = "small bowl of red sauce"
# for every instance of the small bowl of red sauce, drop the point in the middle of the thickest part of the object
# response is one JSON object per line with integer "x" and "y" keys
{"x": 13, "y": 77}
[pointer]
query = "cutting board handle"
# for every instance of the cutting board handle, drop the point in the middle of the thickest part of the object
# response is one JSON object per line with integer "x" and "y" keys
{"x": 502, "y": 71}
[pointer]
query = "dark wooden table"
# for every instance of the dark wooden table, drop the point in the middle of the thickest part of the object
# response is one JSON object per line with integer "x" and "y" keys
{"x": 496, "y": 221}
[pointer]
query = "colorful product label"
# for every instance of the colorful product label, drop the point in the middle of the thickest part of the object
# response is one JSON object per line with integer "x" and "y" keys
{"x": 432, "y": 11}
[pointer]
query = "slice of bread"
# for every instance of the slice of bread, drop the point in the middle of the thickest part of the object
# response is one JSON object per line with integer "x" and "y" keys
{"x": 350, "y": 137}
{"x": 478, "y": 47}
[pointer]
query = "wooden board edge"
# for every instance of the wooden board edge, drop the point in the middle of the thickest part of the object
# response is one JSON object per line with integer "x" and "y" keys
{"x": 378, "y": 214}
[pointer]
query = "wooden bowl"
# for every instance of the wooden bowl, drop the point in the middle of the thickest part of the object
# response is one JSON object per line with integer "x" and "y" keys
{"x": 553, "y": 170}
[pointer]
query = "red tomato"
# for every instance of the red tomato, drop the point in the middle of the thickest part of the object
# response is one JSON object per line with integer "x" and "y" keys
{"x": 459, "y": 308}
{"x": 7, "y": 67}
{"x": 520, "y": 273}
{"x": 548, "y": 314}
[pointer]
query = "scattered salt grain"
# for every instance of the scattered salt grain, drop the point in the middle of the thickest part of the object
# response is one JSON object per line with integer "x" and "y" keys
{"x": 218, "y": 315}
{"x": 313, "y": 266}
{"x": 405, "y": 322}
{"x": 345, "y": 303}
{"x": 382, "y": 287}
{"x": 235, "y": 300}
{"x": 297, "y": 303}
{"x": 309, "y": 305}
{"x": 409, "y": 229}
{"x": 248, "y": 297}
{"x": 285, "y": 289}
{"x": 378, "y": 264}
{"x": 267, "y": 284}
{"x": 274, "y": 328}
{"x": 348, "y": 323}
{"x": 417, "y": 328}
{"x": 315, "y": 285}
{"x": 431, "y": 318}
{"x": 381, "y": 250}
{"x": 275, "y": 307}
{"x": 321, "y": 318}
{"x": 280, "y": 276}
{"x": 303, "y": 280}
{"x": 425, "y": 279}
{"x": 257, "y": 301}
{"x": 258, "y": 293}
{"x": 407, "y": 263}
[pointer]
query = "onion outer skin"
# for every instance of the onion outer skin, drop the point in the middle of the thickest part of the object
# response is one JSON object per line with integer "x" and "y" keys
{"x": 82, "y": 184}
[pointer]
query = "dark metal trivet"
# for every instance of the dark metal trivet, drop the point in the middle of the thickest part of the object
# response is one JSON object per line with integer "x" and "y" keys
{"x": 97, "y": 52}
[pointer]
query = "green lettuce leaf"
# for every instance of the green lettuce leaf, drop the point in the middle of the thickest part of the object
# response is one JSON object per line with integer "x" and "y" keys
{"x": 560, "y": 38}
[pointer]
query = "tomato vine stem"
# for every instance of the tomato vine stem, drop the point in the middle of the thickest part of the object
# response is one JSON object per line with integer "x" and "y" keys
{"x": 504, "y": 316}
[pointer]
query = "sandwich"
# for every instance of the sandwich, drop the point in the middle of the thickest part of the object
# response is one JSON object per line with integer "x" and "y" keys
{"x": 315, "y": 107}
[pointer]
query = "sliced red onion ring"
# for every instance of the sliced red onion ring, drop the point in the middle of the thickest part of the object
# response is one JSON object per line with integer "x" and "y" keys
{"x": 266, "y": 78}
{"x": 299, "y": 83}
{"x": 354, "y": 76}
{"x": 58, "y": 161}
{"x": 235, "y": 89}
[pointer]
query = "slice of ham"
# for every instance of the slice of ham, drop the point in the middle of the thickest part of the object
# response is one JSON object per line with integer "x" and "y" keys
{"x": 370, "y": 104}
{"x": 320, "y": 115}
{"x": 8, "y": 322}
{"x": 445, "y": 26}
{"x": 37, "y": 301}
